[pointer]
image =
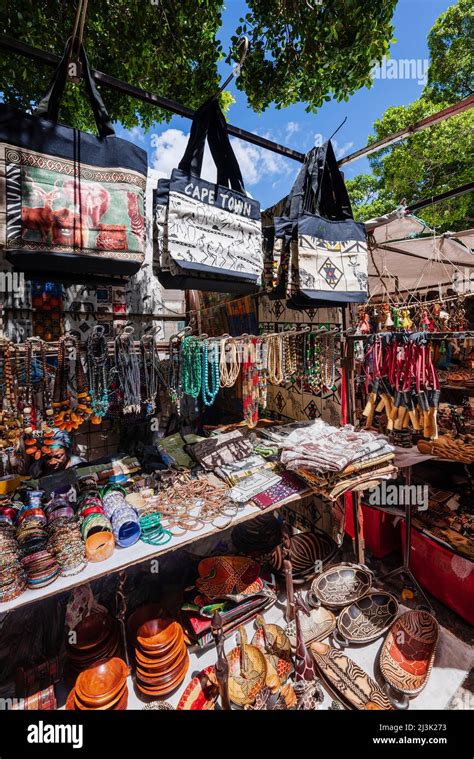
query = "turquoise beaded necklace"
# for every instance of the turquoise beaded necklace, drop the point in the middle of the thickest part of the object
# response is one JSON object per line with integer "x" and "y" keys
{"x": 209, "y": 393}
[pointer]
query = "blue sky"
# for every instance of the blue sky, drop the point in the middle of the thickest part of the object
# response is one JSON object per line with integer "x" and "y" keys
{"x": 268, "y": 177}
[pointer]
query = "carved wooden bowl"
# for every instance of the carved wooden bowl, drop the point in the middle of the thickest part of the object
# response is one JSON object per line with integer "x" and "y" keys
{"x": 368, "y": 618}
{"x": 165, "y": 685}
{"x": 276, "y": 647}
{"x": 201, "y": 693}
{"x": 139, "y": 617}
{"x": 166, "y": 667}
{"x": 243, "y": 690}
{"x": 408, "y": 651}
{"x": 110, "y": 703}
{"x": 102, "y": 681}
{"x": 93, "y": 630}
{"x": 161, "y": 655}
{"x": 158, "y": 635}
{"x": 348, "y": 680}
{"x": 161, "y": 663}
{"x": 307, "y": 550}
{"x": 341, "y": 585}
{"x": 318, "y": 625}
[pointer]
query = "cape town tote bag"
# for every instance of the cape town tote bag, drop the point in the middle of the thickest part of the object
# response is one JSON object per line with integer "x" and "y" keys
{"x": 70, "y": 202}
{"x": 325, "y": 250}
{"x": 209, "y": 236}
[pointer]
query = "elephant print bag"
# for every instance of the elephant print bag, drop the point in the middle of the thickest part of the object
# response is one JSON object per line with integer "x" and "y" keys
{"x": 209, "y": 236}
{"x": 70, "y": 202}
{"x": 324, "y": 248}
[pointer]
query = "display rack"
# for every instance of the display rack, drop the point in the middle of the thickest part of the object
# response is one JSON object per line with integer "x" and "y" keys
{"x": 123, "y": 558}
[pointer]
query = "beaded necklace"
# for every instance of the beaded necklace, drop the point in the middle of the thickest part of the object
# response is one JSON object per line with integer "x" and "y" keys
{"x": 262, "y": 369}
{"x": 68, "y": 415}
{"x": 250, "y": 389}
{"x": 147, "y": 345}
{"x": 329, "y": 370}
{"x": 191, "y": 365}
{"x": 275, "y": 360}
{"x": 97, "y": 374}
{"x": 128, "y": 369}
{"x": 210, "y": 359}
{"x": 289, "y": 357}
{"x": 312, "y": 362}
{"x": 175, "y": 374}
{"x": 229, "y": 354}
{"x": 32, "y": 445}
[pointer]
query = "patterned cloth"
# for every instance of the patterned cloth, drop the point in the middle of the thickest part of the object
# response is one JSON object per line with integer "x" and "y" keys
{"x": 289, "y": 485}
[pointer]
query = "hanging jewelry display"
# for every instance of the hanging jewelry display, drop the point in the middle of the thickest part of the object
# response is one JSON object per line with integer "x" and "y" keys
{"x": 150, "y": 376}
{"x": 329, "y": 362}
{"x": 10, "y": 428}
{"x": 175, "y": 373}
{"x": 70, "y": 412}
{"x": 128, "y": 369}
{"x": 210, "y": 365}
{"x": 312, "y": 353}
{"x": 275, "y": 360}
{"x": 32, "y": 436}
{"x": 262, "y": 369}
{"x": 289, "y": 355}
{"x": 97, "y": 373}
{"x": 229, "y": 362}
{"x": 191, "y": 366}
{"x": 250, "y": 390}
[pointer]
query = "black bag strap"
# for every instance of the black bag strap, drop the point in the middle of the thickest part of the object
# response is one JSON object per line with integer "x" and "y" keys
{"x": 209, "y": 122}
{"x": 319, "y": 187}
{"x": 48, "y": 107}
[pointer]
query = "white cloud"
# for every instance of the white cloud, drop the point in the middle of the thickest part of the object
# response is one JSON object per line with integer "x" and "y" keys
{"x": 291, "y": 128}
{"x": 341, "y": 150}
{"x": 255, "y": 163}
{"x": 135, "y": 134}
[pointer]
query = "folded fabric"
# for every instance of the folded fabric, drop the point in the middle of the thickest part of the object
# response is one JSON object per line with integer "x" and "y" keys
{"x": 223, "y": 449}
{"x": 253, "y": 485}
{"x": 289, "y": 485}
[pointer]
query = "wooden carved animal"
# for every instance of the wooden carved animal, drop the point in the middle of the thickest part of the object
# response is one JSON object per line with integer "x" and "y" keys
{"x": 40, "y": 219}
{"x": 304, "y": 662}
{"x": 93, "y": 199}
{"x": 67, "y": 229}
{"x": 137, "y": 221}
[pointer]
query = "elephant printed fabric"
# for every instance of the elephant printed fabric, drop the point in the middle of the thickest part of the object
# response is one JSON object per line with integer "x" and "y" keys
{"x": 53, "y": 205}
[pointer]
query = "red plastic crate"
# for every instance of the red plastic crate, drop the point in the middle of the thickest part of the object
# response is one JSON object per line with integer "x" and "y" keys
{"x": 449, "y": 577}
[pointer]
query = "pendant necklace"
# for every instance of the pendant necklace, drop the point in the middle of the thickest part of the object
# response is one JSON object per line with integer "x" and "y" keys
{"x": 210, "y": 363}
{"x": 97, "y": 373}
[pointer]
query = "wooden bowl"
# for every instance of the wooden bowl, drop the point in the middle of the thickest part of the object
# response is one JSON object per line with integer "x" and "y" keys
{"x": 70, "y": 703}
{"x": 139, "y": 617}
{"x": 201, "y": 693}
{"x": 92, "y": 631}
{"x": 105, "y": 679}
{"x": 408, "y": 651}
{"x": 157, "y": 678}
{"x": 368, "y": 618}
{"x": 158, "y": 634}
{"x": 166, "y": 688}
{"x": 157, "y": 658}
{"x": 341, "y": 585}
{"x": 165, "y": 665}
{"x": 103, "y": 706}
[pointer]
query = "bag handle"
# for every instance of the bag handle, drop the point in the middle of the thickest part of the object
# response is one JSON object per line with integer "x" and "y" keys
{"x": 319, "y": 187}
{"x": 48, "y": 106}
{"x": 209, "y": 122}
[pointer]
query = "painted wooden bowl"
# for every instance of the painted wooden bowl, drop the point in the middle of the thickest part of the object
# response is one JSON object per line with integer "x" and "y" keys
{"x": 340, "y": 585}
{"x": 105, "y": 679}
{"x": 351, "y": 684}
{"x": 368, "y": 618}
{"x": 408, "y": 651}
{"x": 221, "y": 576}
{"x": 274, "y": 644}
{"x": 158, "y": 635}
{"x": 308, "y": 552}
{"x": 318, "y": 625}
{"x": 244, "y": 686}
{"x": 201, "y": 693}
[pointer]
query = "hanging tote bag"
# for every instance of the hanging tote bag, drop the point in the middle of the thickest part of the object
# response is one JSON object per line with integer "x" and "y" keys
{"x": 70, "y": 202}
{"x": 326, "y": 248}
{"x": 208, "y": 236}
